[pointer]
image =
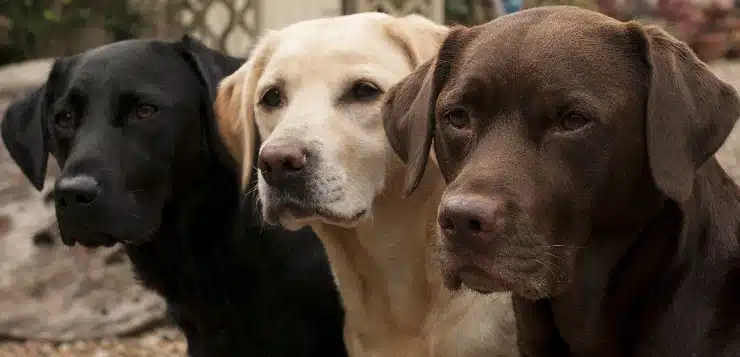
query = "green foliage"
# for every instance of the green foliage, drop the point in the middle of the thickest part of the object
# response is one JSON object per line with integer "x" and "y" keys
{"x": 457, "y": 11}
{"x": 468, "y": 12}
{"x": 37, "y": 23}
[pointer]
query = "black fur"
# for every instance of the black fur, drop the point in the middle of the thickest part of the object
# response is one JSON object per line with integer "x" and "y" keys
{"x": 166, "y": 187}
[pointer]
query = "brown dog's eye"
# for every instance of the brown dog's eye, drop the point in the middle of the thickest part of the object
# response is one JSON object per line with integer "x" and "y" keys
{"x": 573, "y": 121}
{"x": 64, "y": 120}
{"x": 145, "y": 111}
{"x": 458, "y": 118}
{"x": 271, "y": 98}
{"x": 364, "y": 91}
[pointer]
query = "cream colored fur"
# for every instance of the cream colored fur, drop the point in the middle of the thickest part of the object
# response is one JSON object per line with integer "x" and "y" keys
{"x": 379, "y": 245}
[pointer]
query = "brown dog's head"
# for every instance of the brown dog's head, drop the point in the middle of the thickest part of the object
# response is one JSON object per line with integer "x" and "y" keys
{"x": 552, "y": 125}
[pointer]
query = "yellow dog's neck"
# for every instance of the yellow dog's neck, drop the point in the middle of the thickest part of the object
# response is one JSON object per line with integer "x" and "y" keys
{"x": 384, "y": 268}
{"x": 391, "y": 287}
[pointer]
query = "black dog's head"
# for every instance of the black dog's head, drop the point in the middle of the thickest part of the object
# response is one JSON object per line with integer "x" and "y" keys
{"x": 125, "y": 122}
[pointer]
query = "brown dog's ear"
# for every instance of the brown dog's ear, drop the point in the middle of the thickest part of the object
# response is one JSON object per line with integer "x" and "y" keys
{"x": 234, "y": 107}
{"x": 407, "y": 128}
{"x": 690, "y": 112}
{"x": 408, "y": 119}
{"x": 409, "y": 108}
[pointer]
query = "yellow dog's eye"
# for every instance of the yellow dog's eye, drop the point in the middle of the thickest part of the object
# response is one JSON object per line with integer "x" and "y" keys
{"x": 271, "y": 98}
{"x": 363, "y": 91}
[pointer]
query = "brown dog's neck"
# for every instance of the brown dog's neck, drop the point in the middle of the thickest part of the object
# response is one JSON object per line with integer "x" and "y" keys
{"x": 632, "y": 283}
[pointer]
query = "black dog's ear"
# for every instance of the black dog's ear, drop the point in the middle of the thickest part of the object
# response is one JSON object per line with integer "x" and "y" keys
{"x": 690, "y": 112}
{"x": 24, "y": 133}
{"x": 211, "y": 66}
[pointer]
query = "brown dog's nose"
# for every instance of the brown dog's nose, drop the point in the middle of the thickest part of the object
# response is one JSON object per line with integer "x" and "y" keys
{"x": 281, "y": 160}
{"x": 464, "y": 217}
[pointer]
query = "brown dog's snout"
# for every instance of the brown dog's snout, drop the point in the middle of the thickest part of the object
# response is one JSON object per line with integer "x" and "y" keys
{"x": 281, "y": 160}
{"x": 466, "y": 218}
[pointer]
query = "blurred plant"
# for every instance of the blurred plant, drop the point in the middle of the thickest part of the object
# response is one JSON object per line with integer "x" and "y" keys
{"x": 469, "y": 12}
{"x": 35, "y": 24}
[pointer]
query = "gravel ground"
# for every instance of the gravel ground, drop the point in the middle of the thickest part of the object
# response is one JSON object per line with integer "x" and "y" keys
{"x": 168, "y": 342}
{"x": 161, "y": 342}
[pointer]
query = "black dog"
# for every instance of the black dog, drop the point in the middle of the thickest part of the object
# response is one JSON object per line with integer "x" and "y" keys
{"x": 132, "y": 127}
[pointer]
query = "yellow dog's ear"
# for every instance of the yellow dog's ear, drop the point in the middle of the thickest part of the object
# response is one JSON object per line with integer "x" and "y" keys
{"x": 234, "y": 107}
{"x": 228, "y": 110}
{"x": 418, "y": 36}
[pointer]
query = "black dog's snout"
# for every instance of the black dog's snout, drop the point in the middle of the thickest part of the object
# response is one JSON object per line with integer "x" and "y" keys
{"x": 76, "y": 191}
{"x": 281, "y": 160}
{"x": 462, "y": 218}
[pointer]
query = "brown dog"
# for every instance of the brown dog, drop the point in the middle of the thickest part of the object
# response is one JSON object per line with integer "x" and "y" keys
{"x": 578, "y": 152}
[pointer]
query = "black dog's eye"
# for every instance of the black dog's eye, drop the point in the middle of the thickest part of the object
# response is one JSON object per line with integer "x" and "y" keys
{"x": 145, "y": 111}
{"x": 458, "y": 118}
{"x": 363, "y": 91}
{"x": 271, "y": 98}
{"x": 573, "y": 121}
{"x": 64, "y": 120}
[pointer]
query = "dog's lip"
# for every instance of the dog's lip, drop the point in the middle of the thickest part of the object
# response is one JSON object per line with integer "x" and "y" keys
{"x": 452, "y": 280}
{"x": 474, "y": 278}
{"x": 302, "y": 211}
{"x": 346, "y": 220}
{"x": 68, "y": 241}
{"x": 480, "y": 281}
{"x": 99, "y": 240}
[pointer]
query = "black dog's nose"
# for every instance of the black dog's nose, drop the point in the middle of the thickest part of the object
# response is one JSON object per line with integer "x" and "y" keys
{"x": 76, "y": 191}
{"x": 281, "y": 160}
{"x": 466, "y": 217}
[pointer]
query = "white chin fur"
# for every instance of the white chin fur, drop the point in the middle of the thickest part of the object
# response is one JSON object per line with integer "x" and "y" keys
{"x": 293, "y": 224}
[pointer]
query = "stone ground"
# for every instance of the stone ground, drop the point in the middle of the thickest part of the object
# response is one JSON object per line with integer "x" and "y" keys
{"x": 163, "y": 340}
{"x": 160, "y": 342}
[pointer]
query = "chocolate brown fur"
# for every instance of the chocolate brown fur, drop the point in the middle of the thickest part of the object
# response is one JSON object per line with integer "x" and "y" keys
{"x": 578, "y": 152}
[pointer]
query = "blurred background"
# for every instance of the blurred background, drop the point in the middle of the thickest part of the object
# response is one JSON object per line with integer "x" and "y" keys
{"x": 60, "y": 301}
{"x": 46, "y": 28}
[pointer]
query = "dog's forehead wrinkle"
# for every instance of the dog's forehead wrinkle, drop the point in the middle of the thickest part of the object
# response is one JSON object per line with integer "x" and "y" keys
{"x": 96, "y": 72}
{"x": 586, "y": 86}
{"x": 544, "y": 37}
{"x": 319, "y": 68}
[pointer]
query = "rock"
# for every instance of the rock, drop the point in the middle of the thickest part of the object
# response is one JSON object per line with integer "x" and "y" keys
{"x": 19, "y": 77}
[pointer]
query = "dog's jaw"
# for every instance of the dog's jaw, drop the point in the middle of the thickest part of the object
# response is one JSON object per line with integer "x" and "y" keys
{"x": 526, "y": 275}
{"x": 295, "y": 213}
